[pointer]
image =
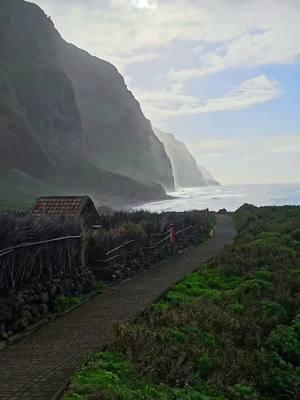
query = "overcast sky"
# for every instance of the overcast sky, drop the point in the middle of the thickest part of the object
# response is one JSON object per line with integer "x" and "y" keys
{"x": 222, "y": 75}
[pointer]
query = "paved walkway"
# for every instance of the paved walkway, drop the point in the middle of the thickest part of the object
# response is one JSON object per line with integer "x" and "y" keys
{"x": 39, "y": 366}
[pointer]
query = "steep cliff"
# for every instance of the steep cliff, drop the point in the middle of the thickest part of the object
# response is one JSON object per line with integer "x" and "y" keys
{"x": 67, "y": 117}
{"x": 19, "y": 149}
{"x": 209, "y": 178}
{"x": 40, "y": 92}
{"x": 116, "y": 134}
{"x": 185, "y": 169}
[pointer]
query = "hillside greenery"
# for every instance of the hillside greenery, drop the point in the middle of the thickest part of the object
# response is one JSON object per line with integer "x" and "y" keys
{"x": 230, "y": 331}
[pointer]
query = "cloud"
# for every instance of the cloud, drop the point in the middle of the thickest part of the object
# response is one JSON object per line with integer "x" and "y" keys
{"x": 286, "y": 149}
{"x": 245, "y": 33}
{"x": 124, "y": 61}
{"x": 264, "y": 159}
{"x": 144, "y": 3}
{"x": 207, "y": 144}
{"x": 180, "y": 40}
{"x": 166, "y": 103}
{"x": 210, "y": 155}
{"x": 279, "y": 145}
{"x": 248, "y": 51}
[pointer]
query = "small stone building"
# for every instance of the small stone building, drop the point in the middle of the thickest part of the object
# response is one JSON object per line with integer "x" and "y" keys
{"x": 77, "y": 207}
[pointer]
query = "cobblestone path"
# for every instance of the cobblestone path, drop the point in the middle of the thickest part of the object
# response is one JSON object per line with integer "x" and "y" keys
{"x": 39, "y": 366}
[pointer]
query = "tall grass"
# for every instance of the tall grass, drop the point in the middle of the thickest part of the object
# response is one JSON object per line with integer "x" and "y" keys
{"x": 32, "y": 263}
{"x": 17, "y": 229}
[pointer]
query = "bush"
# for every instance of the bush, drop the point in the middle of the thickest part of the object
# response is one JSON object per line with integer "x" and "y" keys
{"x": 285, "y": 340}
{"x": 243, "y": 392}
{"x": 295, "y": 235}
{"x": 131, "y": 231}
{"x": 63, "y": 303}
{"x": 230, "y": 331}
{"x": 204, "y": 365}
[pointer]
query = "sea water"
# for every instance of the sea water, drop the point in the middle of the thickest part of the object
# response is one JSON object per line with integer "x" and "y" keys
{"x": 230, "y": 197}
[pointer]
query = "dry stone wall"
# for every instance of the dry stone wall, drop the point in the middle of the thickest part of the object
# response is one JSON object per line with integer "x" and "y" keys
{"x": 75, "y": 273}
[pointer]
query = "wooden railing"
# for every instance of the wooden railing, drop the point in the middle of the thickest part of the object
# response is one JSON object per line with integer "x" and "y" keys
{"x": 29, "y": 261}
{"x": 147, "y": 248}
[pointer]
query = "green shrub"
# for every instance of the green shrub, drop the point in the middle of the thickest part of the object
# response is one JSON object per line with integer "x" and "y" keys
{"x": 109, "y": 376}
{"x": 295, "y": 235}
{"x": 204, "y": 364}
{"x": 132, "y": 231}
{"x": 99, "y": 287}
{"x": 243, "y": 392}
{"x": 280, "y": 377}
{"x": 177, "y": 335}
{"x": 63, "y": 303}
{"x": 285, "y": 340}
{"x": 263, "y": 275}
{"x": 158, "y": 307}
{"x": 203, "y": 337}
{"x": 273, "y": 311}
{"x": 230, "y": 331}
{"x": 237, "y": 308}
{"x": 203, "y": 284}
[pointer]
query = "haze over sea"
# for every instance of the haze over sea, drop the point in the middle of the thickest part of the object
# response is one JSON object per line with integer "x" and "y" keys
{"x": 230, "y": 197}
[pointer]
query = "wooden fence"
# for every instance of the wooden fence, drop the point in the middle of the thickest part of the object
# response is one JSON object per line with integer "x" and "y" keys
{"x": 29, "y": 262}
{"x": 167, "y": 236}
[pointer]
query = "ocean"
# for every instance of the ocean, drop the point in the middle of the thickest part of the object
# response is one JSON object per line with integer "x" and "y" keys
{"x": 230, "y": 197}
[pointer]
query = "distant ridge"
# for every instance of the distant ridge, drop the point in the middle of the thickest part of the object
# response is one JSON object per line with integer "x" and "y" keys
{"x": 186, "y": 171}
{"x": 209, "y": 178}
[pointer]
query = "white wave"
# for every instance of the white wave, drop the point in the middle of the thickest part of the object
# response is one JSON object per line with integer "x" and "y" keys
{"x": 229, "y": 197}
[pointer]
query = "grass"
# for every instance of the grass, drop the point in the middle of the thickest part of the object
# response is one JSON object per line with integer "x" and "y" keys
{"x": 64, "y": 303}
{"x": 111, "y": 376}
{"x": 99, "y": 287}
{"x": 230, "y": 331}
{"x": 204, "y": 284}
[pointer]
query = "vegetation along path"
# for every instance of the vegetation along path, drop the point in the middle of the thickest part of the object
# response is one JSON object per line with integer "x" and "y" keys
{"x": 39, "y": 366}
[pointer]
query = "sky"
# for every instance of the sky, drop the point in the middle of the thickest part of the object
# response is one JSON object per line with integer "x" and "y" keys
{"x": 221, "y": 75}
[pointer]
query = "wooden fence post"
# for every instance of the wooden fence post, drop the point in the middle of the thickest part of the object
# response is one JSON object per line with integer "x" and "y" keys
{"x": 82, "y": 246}
{"x": 172, "y": 234}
